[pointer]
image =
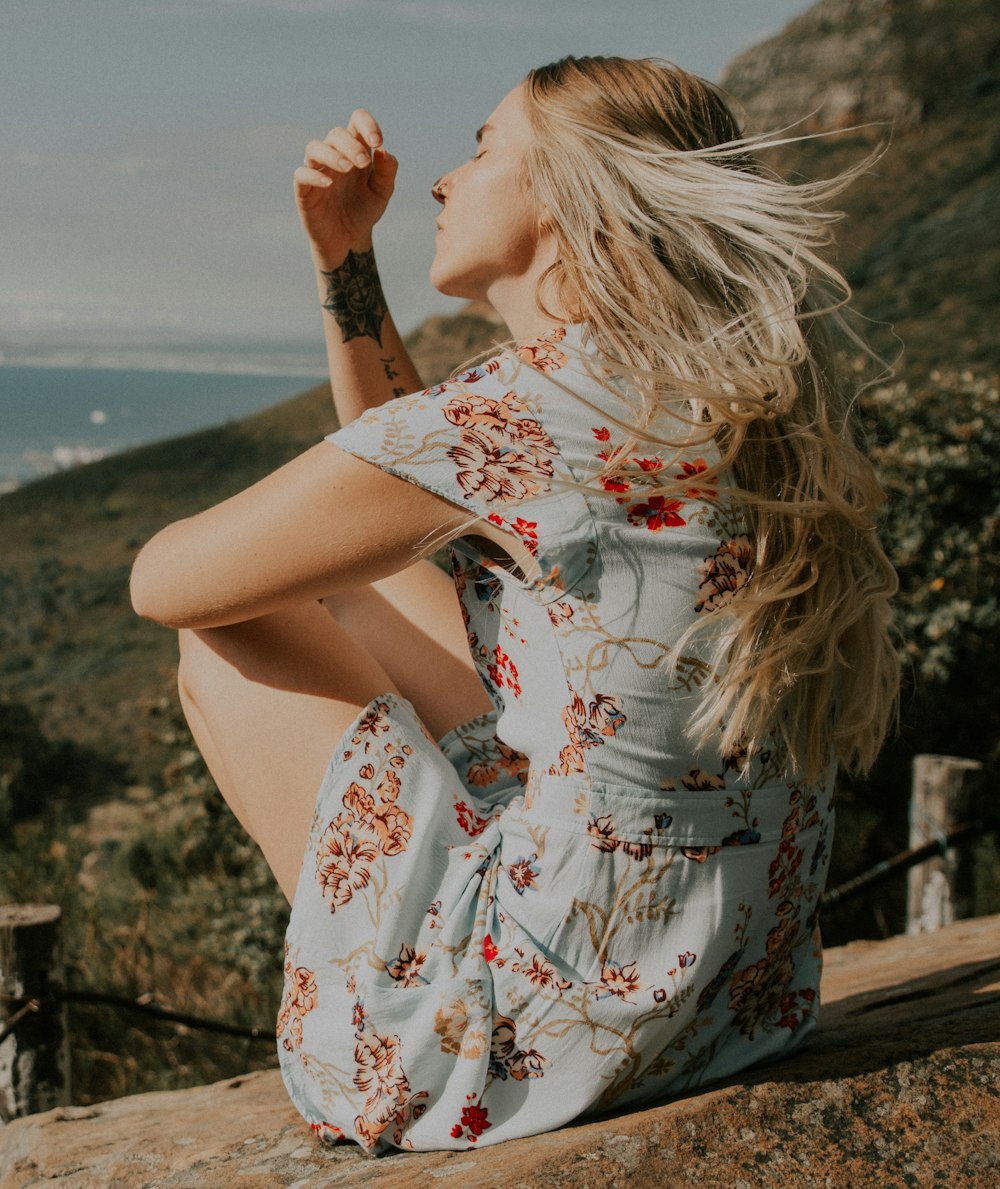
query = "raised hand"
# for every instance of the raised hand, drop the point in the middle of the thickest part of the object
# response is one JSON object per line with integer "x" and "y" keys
{"x": 343, "y": 188}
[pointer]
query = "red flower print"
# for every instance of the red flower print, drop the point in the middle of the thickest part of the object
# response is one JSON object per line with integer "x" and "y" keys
{"x": 686, "y": 959}
{"x": 688, "y": 471}
{"x": 527, "y": 530}
{"x": 474, "y": 1118}
{"x": 503, "y": 672}
{"x": 490, "y": 949}
{"x": 659, "y": 512}
{"x": 649, "y": 464}
{"x": 602, "y": 433}
{"x": 327, "y": 1133}
{"x": 358, "y": 1015}
{"x": 468, "y": 819}
{"x": 614, "y": 483}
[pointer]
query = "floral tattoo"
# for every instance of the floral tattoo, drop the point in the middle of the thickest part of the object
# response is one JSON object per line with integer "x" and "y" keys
{"x": 354, "y": 297}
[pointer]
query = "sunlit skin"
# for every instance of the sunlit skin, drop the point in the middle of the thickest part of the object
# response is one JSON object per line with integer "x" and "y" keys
{"x": 492, "y": 245}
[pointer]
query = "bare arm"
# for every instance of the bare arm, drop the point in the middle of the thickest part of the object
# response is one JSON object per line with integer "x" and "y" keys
{"x": 324, "y": 522}
{"x": 342, "y": 190}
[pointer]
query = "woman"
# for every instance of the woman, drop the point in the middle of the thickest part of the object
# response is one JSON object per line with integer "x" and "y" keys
{"x": 600, "y": 884}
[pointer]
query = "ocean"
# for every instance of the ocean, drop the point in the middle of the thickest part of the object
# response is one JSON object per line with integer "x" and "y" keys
{"x": 55, "y": 417}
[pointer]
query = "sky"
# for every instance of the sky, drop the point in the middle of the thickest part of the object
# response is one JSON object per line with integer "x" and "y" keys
{"x": 147, "y": 148}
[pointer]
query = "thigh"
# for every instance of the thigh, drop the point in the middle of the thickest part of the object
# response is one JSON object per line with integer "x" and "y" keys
{"x": 267, "y": 702}
{"x": 412, "y": 624}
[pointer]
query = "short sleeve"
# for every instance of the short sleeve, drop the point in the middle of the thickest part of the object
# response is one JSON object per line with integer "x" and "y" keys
{"x": 482, "y": 445}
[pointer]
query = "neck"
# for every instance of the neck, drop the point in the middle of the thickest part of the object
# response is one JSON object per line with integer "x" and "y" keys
{"x": 518, "y": 305}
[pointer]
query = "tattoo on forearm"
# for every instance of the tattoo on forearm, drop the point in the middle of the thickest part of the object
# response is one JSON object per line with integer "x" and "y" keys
{"x": 354, "y": 297}
{"x": 390, "y": 372}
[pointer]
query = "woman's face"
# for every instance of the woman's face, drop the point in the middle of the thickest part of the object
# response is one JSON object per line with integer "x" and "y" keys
{"x": 488, "y": 228}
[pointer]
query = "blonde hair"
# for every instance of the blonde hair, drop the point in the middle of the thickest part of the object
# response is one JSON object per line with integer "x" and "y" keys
{"x": 700, "y": 276}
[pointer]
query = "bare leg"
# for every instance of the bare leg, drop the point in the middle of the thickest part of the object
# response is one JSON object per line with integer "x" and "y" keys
{"x": 412, "y": 625}
{"x": 267, "y": 701}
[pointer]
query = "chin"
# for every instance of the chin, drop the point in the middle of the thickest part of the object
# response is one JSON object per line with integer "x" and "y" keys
{"x": 450, "y": 285}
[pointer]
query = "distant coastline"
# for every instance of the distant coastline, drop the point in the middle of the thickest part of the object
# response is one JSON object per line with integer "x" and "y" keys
{"x": 56, "y": 416}
{"x": 293, "y": 361}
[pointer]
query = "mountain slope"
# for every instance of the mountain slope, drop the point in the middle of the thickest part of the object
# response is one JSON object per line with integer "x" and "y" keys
{"x": 922, "y": 241}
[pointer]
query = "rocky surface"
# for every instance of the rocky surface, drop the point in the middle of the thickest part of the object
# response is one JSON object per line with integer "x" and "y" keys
{"x": 901, "y": 1087}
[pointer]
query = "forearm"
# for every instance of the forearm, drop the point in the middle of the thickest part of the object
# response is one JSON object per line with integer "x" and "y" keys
{"x": 369, "y": 364}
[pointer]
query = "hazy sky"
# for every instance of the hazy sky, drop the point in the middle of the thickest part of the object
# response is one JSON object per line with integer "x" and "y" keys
{"x": 147, "y": 146}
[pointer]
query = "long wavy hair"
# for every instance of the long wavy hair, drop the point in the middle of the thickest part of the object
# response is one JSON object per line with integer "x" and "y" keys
{"x": 702, "y": 279}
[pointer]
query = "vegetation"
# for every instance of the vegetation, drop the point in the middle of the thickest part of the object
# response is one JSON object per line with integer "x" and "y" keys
{"x": 937, "y": 449}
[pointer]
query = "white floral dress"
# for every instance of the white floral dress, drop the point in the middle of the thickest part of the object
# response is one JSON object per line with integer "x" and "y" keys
{"x": 562, "y": 907}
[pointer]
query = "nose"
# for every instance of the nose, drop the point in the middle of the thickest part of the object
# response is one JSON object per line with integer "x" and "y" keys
{"x": 438, "y": 192}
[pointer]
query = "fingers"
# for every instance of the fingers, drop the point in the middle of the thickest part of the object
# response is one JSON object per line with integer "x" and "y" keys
{"x": 344, "y": 149}
{"x": 305, "y": 176}
{"x": 383, "y": 175}
{"x": 364, "y": 125}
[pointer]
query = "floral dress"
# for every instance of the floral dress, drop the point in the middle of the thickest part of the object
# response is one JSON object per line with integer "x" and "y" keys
{"x": 563, "y": 906}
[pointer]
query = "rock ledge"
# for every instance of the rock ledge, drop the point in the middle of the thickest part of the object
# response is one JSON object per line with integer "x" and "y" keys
{"x": 901, "y": 1086}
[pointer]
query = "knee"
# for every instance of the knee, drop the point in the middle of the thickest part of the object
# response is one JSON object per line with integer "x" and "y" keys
{"x": 194, "y": 665}
{"x": 186, "y": 664}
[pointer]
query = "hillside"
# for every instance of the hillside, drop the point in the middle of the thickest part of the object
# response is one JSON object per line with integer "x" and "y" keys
{"x": 71, "y": 649}
{"x": 922, "y": 241}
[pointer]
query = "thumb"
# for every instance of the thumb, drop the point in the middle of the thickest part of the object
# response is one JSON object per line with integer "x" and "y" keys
{"x": 383, "y": 175}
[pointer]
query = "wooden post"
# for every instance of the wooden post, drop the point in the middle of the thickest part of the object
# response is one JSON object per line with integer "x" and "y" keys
{"x": 934, "y": 801}
{"x": 34, "y": 1056}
